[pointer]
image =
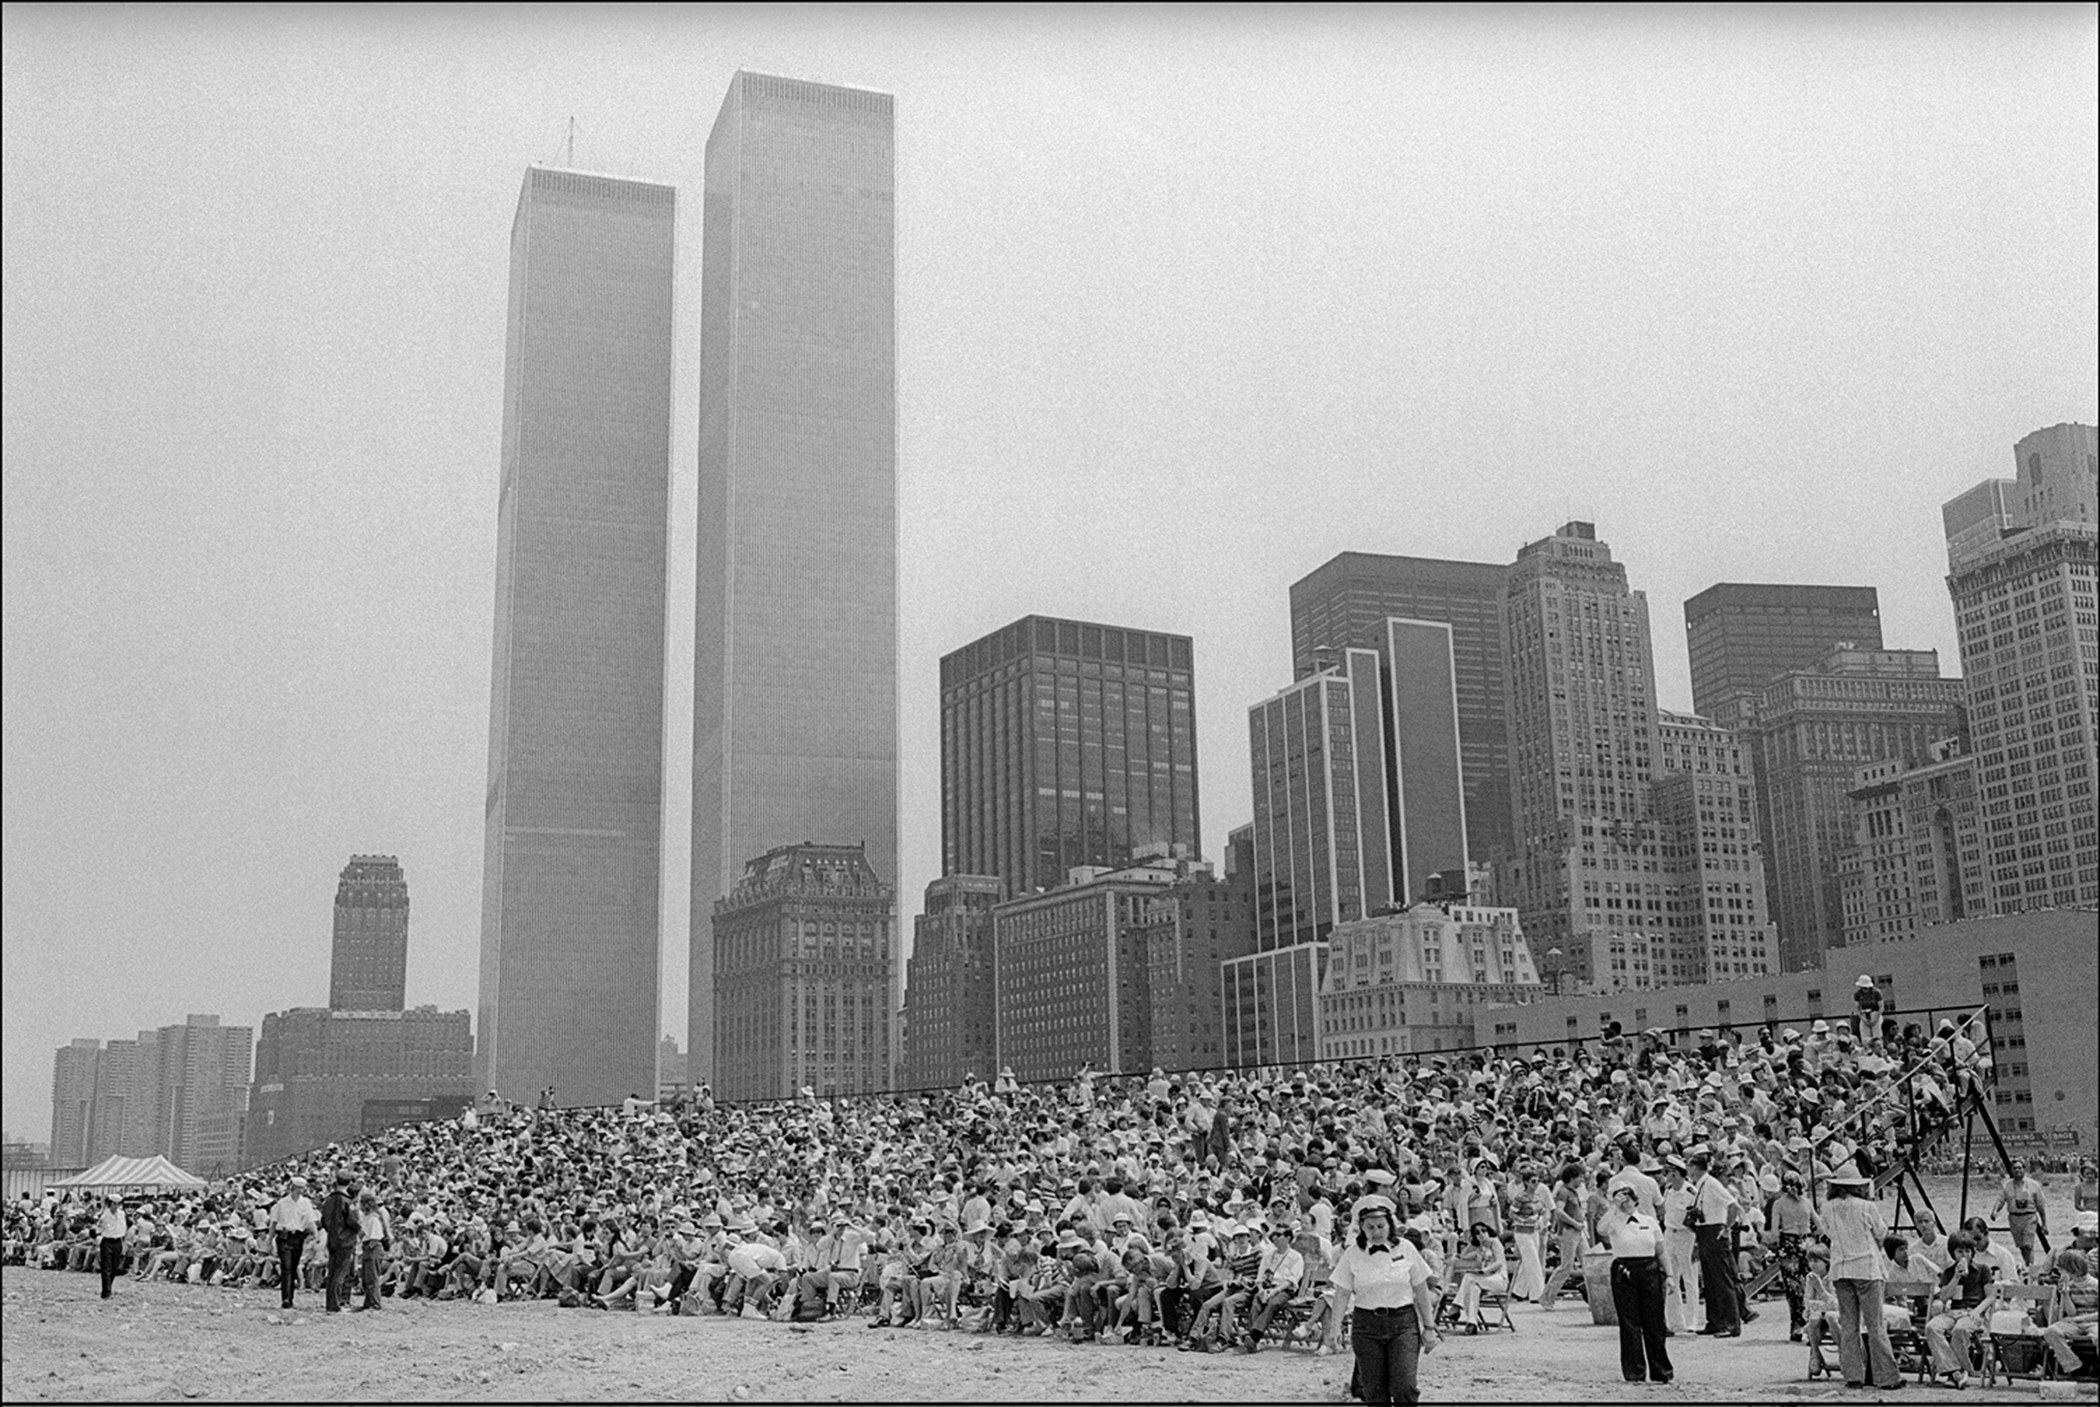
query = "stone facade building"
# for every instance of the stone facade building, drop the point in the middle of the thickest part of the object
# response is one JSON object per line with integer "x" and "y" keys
{"x": 807, "y": 951}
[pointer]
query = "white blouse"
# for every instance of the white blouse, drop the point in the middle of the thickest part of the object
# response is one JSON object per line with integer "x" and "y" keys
{"x": 1386, "y": 1280}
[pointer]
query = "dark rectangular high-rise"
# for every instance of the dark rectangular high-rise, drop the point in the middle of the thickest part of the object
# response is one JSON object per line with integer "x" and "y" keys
{"x": 1744, "y": 635}
{"x": 368, "y": 960}
{"x": 1347, "y": 602}
{"x": 795, "y": 636}
{"x": 569, "y": 934}
{"x": 1065, "y": 743}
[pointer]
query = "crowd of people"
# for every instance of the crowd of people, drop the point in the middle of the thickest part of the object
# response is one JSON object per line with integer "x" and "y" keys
{"x": 1382, "y": 1199}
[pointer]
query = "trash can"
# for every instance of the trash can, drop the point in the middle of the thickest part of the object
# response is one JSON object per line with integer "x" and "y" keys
{"x": 1596, "y": 1281}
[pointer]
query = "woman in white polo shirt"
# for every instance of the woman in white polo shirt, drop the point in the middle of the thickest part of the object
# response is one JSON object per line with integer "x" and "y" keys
{"x": 1386, "y": 1281}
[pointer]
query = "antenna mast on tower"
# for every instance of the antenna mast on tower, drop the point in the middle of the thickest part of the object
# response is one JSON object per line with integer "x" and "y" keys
{"x": 571, "y": 160}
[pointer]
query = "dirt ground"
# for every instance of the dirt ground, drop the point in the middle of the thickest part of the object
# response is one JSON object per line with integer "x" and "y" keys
{"x": 160, "y": 1342}
{"x": 60, "y": 1342}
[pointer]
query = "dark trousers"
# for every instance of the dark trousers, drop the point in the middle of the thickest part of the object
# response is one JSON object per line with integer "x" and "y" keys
{"x": 1724, "y": 1292}
{"x": 1170, "y": 1310}
{"x": 1637, "y": 1295}
{"x": 369, "y": 1259}
{"x": 342, "y": 1260}
{"x": 111, "y": 1261}
{"x": 291, "y": 1245}
{"x": 1388, "y": 1344}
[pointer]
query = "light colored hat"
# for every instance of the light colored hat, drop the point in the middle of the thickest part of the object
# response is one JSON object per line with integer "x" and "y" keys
{"x": 1375, "y": 1203}
{"x": 1820, "y": 1027}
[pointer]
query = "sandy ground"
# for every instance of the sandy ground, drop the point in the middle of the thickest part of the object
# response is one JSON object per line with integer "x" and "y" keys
{"x": 59, "y": 1341}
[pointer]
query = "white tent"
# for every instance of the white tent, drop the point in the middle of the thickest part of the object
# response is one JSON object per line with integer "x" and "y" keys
{"x": 120, "y": 1173}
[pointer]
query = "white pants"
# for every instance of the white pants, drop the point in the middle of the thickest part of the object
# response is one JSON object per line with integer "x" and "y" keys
{"x": 1531, "y": 1272}
{"x": 1682, "y": 1310}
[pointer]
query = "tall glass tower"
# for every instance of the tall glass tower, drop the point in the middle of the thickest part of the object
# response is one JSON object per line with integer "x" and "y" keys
{"x": 795, "y": 642}
{"x": 569, "y": 933}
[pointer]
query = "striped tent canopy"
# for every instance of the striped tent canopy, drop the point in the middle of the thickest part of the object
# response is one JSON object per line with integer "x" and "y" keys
{"x": 156, "y": 1172}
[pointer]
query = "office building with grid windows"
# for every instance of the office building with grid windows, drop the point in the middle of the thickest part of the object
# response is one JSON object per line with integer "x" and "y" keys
{"x": 2021, "y": 557}
{"x": 1808, "y": 732}
{"x": 1743, "y": 634}
{"x": 1346, "y": 602}
{"x": 1066, "y": 744}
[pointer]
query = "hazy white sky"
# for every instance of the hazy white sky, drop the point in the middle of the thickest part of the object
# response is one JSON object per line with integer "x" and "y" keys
{"x": 1188, "y": 303}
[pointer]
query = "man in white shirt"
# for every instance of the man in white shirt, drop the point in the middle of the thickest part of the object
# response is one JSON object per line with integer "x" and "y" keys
{"x": 292, "y": 1219}
{"x": 110, "y": 1228}
{"x": 1630, "y": 1175}
{"x": 1714, "y": 1210}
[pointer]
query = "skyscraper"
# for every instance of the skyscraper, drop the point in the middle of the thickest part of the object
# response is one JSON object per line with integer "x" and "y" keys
{"x": 1323, "y": 852}
{"x": 1917, "y": 857}
{"x": 368, "y": 963}
{"x": 2020, "y": 567}
{"x": 1346, "y": 603}
{"x": 806, "y": 974}
{"x": 949, "y": 1013}
{"x": 1742, "y": 635}
{"x": 1808, "y": 732}
{"x": 73, "y": 1075}
{"x": 569, "y": 933}
{"x": 1614, "y": 865}
{"x": 1065, "y": 743}
{"x": 795, "y": 641}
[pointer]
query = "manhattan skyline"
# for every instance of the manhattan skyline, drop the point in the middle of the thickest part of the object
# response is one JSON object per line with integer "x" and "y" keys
{"x": 1755, "y": 295}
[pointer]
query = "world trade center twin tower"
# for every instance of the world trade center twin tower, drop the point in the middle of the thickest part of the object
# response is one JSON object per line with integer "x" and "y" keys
{"x": 795, "y": 632}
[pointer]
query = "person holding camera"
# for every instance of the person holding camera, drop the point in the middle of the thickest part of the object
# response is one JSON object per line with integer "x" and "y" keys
{"x": 1713, "y": 1211}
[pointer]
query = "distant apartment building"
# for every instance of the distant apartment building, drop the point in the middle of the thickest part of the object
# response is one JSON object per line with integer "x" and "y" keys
{"x": 1410, "y": 982}
{"x": 805, "y": 946}
{"x": 1345, "y": 604}
{"x": 1065, "y": 744}
{"x": 368, "y": 966}
{"x": 1742, "y": 635}
{"x": 1188, "y": 933}
{"x": 1074, "y": 968}
{"x": 73, "y": 1073}
{"x": 950, "y": 1011}
{"x": 1808, "y": 732}
{"x": 2021, "y": 557}
{"x": 1917, "y": 858}
{"x": 179, "y": 1091}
